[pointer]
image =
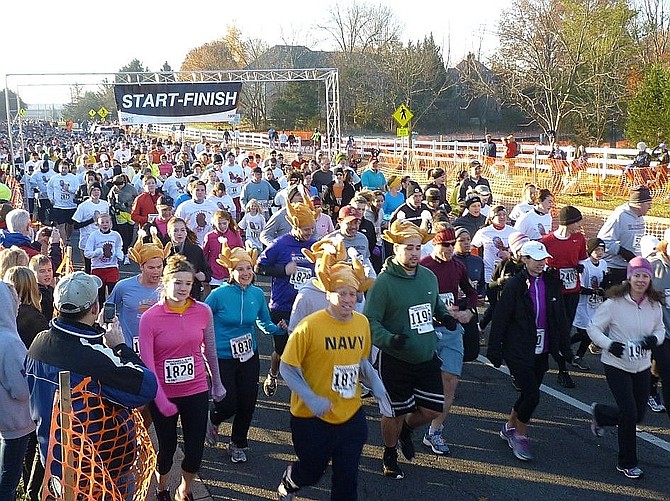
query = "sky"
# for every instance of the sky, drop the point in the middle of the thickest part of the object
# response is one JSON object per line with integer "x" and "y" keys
{"x": 52, "y": 37}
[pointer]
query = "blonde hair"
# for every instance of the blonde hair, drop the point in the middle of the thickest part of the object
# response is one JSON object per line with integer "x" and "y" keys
{"x": 24, "y": 281}
{"x": 14, "y": 256}
{"x": 39, "y": 260}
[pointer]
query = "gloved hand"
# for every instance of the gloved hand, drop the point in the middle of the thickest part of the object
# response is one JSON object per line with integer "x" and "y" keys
{"x": 494, "y": 357}
{"x": 616, "y": 349}
{"x": 580, "y": 268}
{"x": 625, "y": 253}
{"x": 398, "y": 341}
{"x": 648, "y": 342}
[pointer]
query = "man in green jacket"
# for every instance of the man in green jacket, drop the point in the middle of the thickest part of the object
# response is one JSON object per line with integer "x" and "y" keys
{"x": 401, "y": 308}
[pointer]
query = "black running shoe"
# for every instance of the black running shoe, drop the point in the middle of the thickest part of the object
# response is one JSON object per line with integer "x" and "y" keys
{"x": 391, "y": 468}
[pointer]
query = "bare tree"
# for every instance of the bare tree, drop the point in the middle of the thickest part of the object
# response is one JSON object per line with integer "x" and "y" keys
{"x": 560, "y": 58}
{"x": 652, "y": 30}
{"x": 361, "y": 27}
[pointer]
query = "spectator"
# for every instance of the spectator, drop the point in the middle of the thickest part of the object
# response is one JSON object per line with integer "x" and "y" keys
{"x": 16, "y": 424}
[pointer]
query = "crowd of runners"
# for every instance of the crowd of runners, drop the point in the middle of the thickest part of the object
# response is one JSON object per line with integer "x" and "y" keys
{"x": 380, "y": 287}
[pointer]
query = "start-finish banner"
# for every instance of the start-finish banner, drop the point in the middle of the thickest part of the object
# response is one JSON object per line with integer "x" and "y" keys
{"x": 177, "y": 102}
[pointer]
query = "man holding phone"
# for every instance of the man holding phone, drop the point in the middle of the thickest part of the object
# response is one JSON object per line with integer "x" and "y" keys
{"x": 76, "y": 342}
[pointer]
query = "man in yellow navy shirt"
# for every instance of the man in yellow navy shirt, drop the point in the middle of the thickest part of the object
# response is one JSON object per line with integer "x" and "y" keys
{"x": 324, "y": 360}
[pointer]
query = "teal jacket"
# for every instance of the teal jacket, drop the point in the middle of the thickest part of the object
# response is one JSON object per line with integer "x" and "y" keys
{"x": 396, "y": 299}
{"x": 237, "y": 312}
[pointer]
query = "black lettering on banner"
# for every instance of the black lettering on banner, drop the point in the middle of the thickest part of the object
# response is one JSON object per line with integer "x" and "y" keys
{"x": 169, "y": 101}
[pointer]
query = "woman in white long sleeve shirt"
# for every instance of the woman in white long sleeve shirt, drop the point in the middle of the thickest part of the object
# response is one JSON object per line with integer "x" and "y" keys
{"x": 626, "y": 327}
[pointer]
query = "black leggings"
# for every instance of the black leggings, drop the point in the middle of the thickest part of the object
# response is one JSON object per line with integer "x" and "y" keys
{"x": 581, "y": 337}
{"x": 193, "y": 412}
{"x": 241, "y": 382}
{"x": 631, "y": 392}
{"x": 571, "y": 302}
{"x": 529, "y": 380}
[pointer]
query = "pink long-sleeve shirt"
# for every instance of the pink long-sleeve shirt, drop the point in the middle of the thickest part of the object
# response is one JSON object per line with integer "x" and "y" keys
{"x": 172, "y": 345}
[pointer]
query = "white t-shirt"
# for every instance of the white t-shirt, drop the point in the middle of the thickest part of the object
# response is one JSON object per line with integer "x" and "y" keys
{"x": 519, "y": 210}
{"x": 492, "y": 241}
{"x": 198, "y": 217}
{"x": 591, "y": 277}
{"x": 224, "y": 203}
{"x": 233, "y": 177}
{"x": 62, "y": 189}
{"x": 534, "y": 225}
{"x": 87, "y": 210}
{"x": 253, "y": 225}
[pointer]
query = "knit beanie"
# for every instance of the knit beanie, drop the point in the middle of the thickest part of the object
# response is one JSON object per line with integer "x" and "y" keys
{"x": 471, "y": 200}
{"x": 94, "y": 185}
{"x": 569, "y": 215}
{"x": 594, "y": 243}
{"x": 638, "y": 265}
{"x": 516, "y": 240}
{"x": 639, "y": 195}
{"x": 446, "y": 235}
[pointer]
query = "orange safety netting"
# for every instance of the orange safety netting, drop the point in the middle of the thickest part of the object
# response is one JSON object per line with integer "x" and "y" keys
{"x": 107, "y": 450}
{"x": 508, "y": 177}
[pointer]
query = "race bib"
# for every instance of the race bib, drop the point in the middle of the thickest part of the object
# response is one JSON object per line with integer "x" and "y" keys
{"x": 136, "y": 345}
{"x": 234, "y": 190}
{"x": 421, "y": 318}
{"x": 539, "y": 342}
{"x": 568, "y": 277}
{"x": 242, "y": 347}
{"x": 345, "y": 380}
{"x": 447, "y": 298}
{"x": 264, "y": 204}
{"x": 300, "y": 276}
{"x": 635, "y": 351}
{"x": 636, "y": 243}
{"x": 151, "y": 217}
{"x": 179, "y": 370}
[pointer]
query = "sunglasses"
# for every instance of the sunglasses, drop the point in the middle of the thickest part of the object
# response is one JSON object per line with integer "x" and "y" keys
{"x": 447, "y": 244}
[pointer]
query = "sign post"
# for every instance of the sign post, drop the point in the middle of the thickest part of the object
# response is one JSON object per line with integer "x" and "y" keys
{"x": 403, "y": 115}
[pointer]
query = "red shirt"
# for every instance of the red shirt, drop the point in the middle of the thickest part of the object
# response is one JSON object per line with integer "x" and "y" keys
{"x": 450, "y": 275}
{"x": 566, "y": 256}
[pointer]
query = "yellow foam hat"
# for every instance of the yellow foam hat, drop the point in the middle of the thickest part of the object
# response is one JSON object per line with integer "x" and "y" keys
{"x": 141, "y": 252}
{"x": 400, "y": 231}
{"x": 230, "y": 258}
{"x": 300, "y": 215}
{"x": 332, "y": 246}
{"x": 332, "y": 274}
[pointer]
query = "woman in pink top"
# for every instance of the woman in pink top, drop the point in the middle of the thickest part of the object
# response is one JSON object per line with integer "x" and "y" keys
{"x": 224, "y": 227}
{"x": 175, "y": 333}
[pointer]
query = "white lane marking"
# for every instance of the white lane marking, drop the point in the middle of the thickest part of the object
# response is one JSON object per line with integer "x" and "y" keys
{"x": 647, "y": 437}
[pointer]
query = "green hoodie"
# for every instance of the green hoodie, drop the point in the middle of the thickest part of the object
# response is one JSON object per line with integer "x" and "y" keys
{"x": 396, "y": 300}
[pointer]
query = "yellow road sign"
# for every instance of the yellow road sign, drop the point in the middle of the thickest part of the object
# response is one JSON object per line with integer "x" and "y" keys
{"x": 403, "y": 132}
{"x": 103, "y": 112}
{"x": 22, "y": 112}
{"x": 402, "y": 115}
{"x": 91, "y": 113}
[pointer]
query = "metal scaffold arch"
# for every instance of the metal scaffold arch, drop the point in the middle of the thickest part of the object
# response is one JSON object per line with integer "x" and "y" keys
{"x": 327, "y": 75}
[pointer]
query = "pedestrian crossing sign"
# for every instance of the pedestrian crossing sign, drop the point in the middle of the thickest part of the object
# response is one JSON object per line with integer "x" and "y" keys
{"x": 402, "y": 115}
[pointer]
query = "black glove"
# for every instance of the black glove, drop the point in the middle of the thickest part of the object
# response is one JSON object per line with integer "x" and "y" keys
{"x": 616, "y": 349}
{"x": 625, "y": 253}
{"x": 600, "y": 292}
{"x": 648, "y": 342}
{"x": 494, "y": 357}
{"x": 580, "y": 268}
{"x": 398, "y": 341}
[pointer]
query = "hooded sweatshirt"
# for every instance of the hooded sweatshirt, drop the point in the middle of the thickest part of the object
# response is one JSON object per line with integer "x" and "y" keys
{"x": 623, "y": 228}
{"x": 15, "y": 420}
{"x": 409, "y": 313}
{"x": 7, "y": 239}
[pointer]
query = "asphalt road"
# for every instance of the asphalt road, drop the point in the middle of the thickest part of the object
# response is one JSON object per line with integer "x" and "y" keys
{"x": 569, "y": 464}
